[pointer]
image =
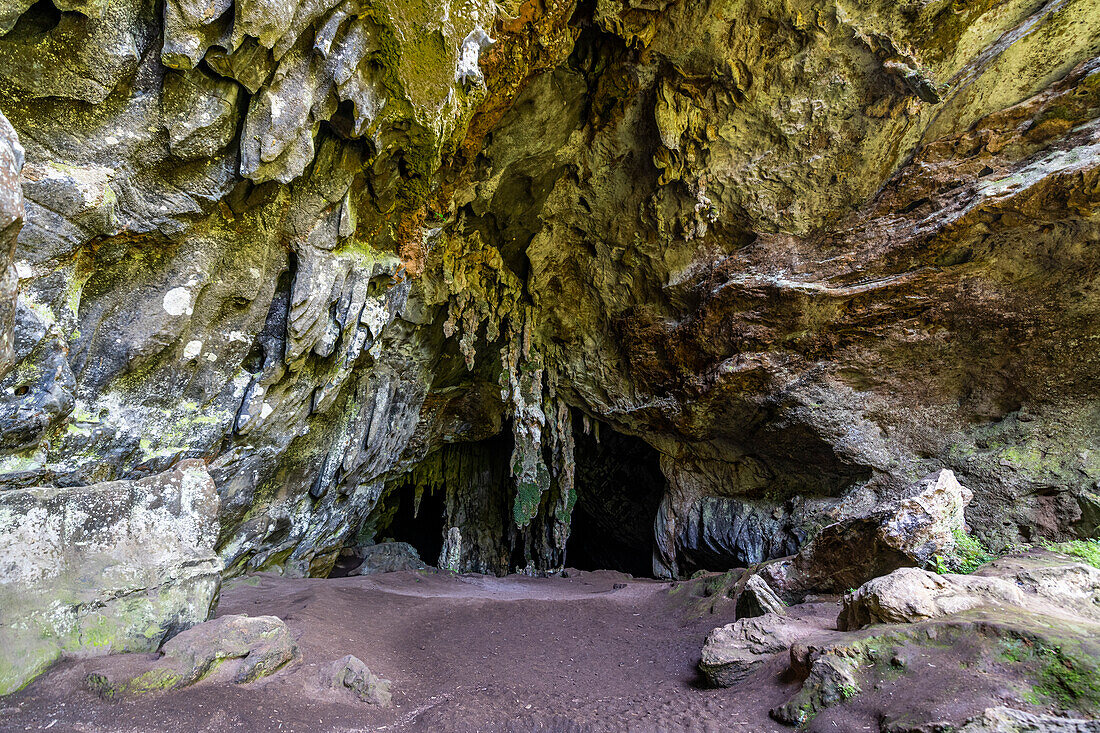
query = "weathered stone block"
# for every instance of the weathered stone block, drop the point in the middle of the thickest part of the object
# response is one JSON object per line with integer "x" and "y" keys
{"x": 112, "y": 567}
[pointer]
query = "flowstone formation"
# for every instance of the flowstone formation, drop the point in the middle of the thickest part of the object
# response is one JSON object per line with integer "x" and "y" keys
{"x": 383, "y": 266}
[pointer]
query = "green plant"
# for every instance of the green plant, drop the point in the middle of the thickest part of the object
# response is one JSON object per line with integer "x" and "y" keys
{"x": 1061, "y": 674}
{"x": 1087, "y": 550}
{"x": 968, "y": 555}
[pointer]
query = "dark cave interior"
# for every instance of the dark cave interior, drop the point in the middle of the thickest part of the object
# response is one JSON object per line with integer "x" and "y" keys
{"x": 617, "y": 479}
{"x": 619, "y": 488}
{"x": 419, "y": 525}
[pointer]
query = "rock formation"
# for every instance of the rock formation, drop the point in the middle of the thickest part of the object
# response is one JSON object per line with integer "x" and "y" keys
{"x": 1024, "y": 627}
{"x": 113, "y": 567}
{"x": 241, "y": 649}
{"x": 385, "y": 265}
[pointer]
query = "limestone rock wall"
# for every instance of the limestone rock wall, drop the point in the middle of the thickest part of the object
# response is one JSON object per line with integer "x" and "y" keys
{"x": 809, "y": 252}
{"x": 112, "y": 567}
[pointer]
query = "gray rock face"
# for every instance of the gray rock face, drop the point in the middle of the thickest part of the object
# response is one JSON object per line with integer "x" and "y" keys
{"x": 112, "y": 567}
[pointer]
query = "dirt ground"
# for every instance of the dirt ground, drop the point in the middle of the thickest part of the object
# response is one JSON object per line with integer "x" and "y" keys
{"x": 597, "y": 651}
{"x": 467, "y": 653}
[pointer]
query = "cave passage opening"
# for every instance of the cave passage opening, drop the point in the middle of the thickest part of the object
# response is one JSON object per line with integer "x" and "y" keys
{"x": 619, "y": 488}
{"x": 420, "y": 525}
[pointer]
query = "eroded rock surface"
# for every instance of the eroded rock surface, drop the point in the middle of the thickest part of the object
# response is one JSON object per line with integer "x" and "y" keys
{"x": 111, "y": 567}
{"x": 907, "y": 532}
{"x": 351, "y": 674}
{"x": 1040, "y": 584}
{"x": 734, "y": 651}
{"x": 1007, "y": 720}
{"x": 240, "y": 649}
{"x": 757, "y": 598}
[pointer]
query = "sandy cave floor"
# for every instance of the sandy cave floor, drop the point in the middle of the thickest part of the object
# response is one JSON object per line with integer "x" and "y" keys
{"x": 464, "y": 653}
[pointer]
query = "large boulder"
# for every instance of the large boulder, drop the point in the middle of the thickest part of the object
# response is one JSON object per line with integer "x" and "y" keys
{"x": 911, "y": 594}
{"x": 257, "y": 645}
{"x": 907, "y": 532}
{"x": 732, "y": 652}
{"x": 239, "y": 648}
{"x": 113, "y": 567}
{"x": 1041, "y": 582}
{"x": 387, "y": 557}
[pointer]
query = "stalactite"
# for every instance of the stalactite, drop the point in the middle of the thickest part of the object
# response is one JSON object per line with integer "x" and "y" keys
{"x": 522, "y": 385}
{"x": 563, "y": 471}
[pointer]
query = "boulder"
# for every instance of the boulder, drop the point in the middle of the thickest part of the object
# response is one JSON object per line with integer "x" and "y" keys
{"x": 907, "y": 532}
{"x": 908, "y": 595}
{"x": 830, "y": 677}
{"x": 1059, "y": 580}
{"x": 112, "y": 567}
{"x": 1006, "y": 720}
{"x": 238, "y": 648}
{"x": 350, "y": 673}
{"x": 733, "y": 651}
{"x": 757, "y": 599}
{"x": 1039, "y": 581}
{"x": 388, "y": 557}
{"x": 257, "y": 646}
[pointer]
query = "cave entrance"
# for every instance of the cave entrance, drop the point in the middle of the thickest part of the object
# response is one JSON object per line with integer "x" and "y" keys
{"x": 421, "y": 526}
{"x": 619, "y": 487}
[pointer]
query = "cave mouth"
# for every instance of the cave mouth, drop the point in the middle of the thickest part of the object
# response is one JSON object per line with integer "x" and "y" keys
{"x": 402, "y": 519}
{"x": 619, "y": 488}
{"x": 421, "y": 525}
